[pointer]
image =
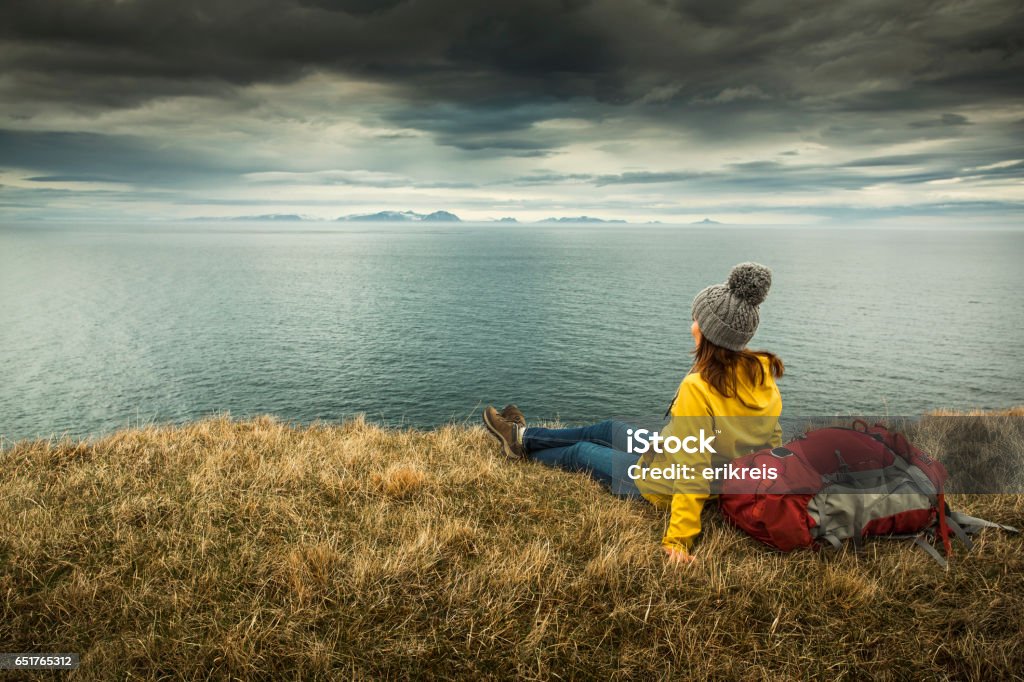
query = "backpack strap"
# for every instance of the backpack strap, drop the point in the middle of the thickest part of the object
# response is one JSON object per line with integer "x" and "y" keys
{"x": 940, "y": 502}
{"x": 832, "y": 540}
{"x": 972, "y": 524}
{"x": 963, "y": 526}
{"x": 960, "y": 533}
{"x": 932, "y": 552}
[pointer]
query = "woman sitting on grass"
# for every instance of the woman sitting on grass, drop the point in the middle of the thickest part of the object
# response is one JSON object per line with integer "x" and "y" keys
{"x": 727, "y": 381}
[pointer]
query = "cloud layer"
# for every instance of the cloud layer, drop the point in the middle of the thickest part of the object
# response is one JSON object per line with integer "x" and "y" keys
{"x": 636, "y": 109}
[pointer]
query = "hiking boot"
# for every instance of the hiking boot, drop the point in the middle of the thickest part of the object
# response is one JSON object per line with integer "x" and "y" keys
{"x": 512, "y": 413}
{"x": 508, "y": 432}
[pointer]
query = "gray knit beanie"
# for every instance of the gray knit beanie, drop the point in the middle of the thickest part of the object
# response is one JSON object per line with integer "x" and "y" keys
{"x": 727, "y": 313}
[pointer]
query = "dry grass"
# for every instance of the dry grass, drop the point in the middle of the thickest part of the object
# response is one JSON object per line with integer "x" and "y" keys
{"x": 984, "y": 451}
{"x": 257, "y": 549}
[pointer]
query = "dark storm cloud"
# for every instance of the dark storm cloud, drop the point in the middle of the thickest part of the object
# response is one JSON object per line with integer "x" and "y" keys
{"x": 943, "y": 121}
{"x": 106, "y": 53}
{"x": 482, "y": 54}
{"x": 503, "y": 124}
{"x": 90, "y": 157}
{"x": 767, "y": 176}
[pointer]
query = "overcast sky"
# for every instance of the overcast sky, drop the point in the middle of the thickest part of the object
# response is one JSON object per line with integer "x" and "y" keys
{"x": 630, "y": 109}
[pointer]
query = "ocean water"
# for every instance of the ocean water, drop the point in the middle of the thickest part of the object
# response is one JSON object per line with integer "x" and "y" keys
{"x": 103, "y": 327}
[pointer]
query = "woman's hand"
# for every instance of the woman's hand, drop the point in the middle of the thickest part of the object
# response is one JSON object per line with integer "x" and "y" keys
{"x": 679, "y": 557}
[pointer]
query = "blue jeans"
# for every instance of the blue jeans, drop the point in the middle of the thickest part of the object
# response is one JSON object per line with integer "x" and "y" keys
{"x": 598, "y": 449}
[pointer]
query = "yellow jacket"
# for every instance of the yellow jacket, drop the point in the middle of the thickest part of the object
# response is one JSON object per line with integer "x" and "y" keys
{"x": 738, "y": 429}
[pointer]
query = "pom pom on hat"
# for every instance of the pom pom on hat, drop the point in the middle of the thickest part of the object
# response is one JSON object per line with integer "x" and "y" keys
{"x": 750, "y": 282}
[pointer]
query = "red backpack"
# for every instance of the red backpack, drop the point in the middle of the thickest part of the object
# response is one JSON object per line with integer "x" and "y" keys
{"x": 838, "y": 483}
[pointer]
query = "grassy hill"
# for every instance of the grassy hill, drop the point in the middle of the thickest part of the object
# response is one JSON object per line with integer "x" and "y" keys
{"x": 258, "y": 549}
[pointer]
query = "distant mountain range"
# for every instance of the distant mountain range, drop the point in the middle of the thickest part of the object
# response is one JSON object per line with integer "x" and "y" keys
{"x": 579, "y": 219}
{"x": 266, "y": 217}
{"x": 403, "y": 217}
{"x": 414, "y": 217}
{"x": 445, "y": 216}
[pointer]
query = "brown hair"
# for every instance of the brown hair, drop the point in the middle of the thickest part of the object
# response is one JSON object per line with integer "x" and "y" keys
{"x": 720, "y": 366}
